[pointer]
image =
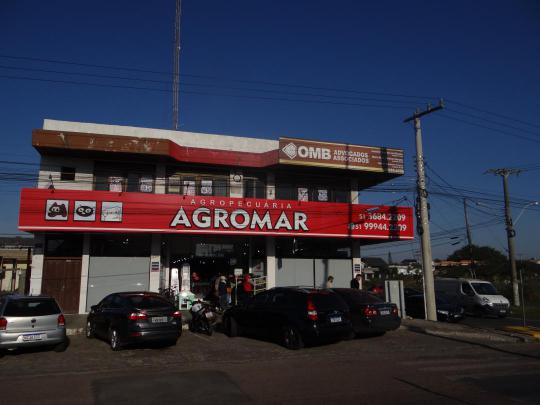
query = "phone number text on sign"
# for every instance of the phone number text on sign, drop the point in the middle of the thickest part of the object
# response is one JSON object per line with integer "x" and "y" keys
{"x": 381, "y": 221}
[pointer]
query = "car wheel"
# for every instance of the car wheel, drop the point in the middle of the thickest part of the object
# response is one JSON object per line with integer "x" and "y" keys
{"x": 291, "y": 338}
{"x": 114, "y": 340}
{"x": 61, "y": 347}
{"x": 90, "y": 330}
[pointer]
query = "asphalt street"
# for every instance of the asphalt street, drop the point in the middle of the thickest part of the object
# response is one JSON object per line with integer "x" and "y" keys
{"x": 401, "y": 367}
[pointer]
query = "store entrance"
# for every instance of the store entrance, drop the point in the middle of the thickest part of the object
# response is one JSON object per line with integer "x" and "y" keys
{"x": 209, "y": 258}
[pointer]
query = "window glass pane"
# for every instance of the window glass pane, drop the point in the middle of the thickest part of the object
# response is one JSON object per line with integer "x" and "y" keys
{"x": 306, "y": 247}
{"x": 206, "y": 187}
{"x": 132, "y": 182}
{"x": 284, "y": 191}
{"x": 63, "y": 246}
{"x": 143, "y": 301}
{"x": 146, "y": 184}
{"x": 249, "y": 188}
{"x": 116, "y": 183}
{"x": 322, "y": 195}
{"x": 31, "y": 307}
{"x": 303, "y": 194}
{"x": 260, "y": 189}
{"x": 341, "y": 195}
{"x": 173, "y": 185}
{"x": 113, "y": 245}
{"x": 67, "y": 173}
{"x": 101, "y": 182}
{"x": 220, "y": 187}
{"x": 188, "y": 186}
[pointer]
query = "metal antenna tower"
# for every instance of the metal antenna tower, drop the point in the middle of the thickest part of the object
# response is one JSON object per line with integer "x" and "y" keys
{"x": 176, "y": 68}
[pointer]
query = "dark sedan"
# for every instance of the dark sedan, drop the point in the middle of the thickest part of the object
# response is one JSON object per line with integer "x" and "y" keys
{"x": 447, "y": 310}
{"x": 370, "y": 315}
{"x": 291, "y": 315}
{"x": 134, "y": 317}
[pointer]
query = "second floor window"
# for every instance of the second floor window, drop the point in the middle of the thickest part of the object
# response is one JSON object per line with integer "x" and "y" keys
{"x": 123, "y": 177}
{"x": 198, "y": 184}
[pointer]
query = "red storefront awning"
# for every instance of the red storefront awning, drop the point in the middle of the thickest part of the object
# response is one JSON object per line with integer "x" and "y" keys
{"x": 103, "y": 211}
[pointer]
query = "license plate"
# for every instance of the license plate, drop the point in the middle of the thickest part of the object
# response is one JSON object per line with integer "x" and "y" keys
{"x": 159, "y": 319}
{"x": 335, "y": 319}
{"x": 209, "y": 314}
{"x": 31, "y": 338}
{"x": 385, "y": 312}
{"x": 503, "y": 311}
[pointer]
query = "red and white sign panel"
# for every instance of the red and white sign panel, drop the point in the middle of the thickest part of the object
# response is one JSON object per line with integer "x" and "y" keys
{"x": 102, "y": 211}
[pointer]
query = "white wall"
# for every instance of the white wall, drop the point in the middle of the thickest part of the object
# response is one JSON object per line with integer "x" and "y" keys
{"x": 37, "y": 264}
{"x": 51, "y": 165}
{"x": 85, "y": 263}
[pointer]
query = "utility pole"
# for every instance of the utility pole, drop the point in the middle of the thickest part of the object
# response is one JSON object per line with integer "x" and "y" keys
{"x": 469, "y": 240}
{"x": 423, "y": 221}
{"x": 510, "y": 232}
{"x": 176, "y": 63}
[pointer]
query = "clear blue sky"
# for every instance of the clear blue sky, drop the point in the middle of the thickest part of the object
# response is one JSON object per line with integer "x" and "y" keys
{"x": 484, "y": 54}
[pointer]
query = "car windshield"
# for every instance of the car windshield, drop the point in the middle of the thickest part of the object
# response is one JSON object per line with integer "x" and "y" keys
{"x": 31, "y": 307}
{"x": 143, "y": 301}
{"x": 485, "y": 289}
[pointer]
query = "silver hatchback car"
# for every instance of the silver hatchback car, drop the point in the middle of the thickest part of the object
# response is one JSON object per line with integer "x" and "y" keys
{"x": 31, "y": 321}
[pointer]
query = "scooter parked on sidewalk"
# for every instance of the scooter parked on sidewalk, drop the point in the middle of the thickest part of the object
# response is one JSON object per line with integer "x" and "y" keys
{"x": 203, "y": 318}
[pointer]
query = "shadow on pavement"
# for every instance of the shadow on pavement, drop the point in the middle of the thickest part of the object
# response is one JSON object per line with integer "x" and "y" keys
{"x": 191, "y": 387}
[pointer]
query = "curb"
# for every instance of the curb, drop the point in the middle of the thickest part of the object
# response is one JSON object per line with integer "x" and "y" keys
{"x": 524, "y": 330}
{"x": 485, "y": 335}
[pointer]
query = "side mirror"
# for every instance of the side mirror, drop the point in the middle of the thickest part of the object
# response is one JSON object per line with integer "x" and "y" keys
{"x": 94, "y": 308}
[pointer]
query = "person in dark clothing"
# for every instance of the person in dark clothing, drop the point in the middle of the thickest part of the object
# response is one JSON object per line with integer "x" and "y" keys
{"x": 355, "y": 282}
{"x": 222, "y": 292}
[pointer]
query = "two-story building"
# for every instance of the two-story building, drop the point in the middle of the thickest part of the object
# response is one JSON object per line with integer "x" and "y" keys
{"x": 119, "y": 208}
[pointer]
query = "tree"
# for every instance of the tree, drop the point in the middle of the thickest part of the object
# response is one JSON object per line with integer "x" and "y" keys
{"x": 489, "y": 262}
{"x": 479, "y": 253}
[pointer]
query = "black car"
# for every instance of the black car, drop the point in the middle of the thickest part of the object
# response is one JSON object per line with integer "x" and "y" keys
{"x": 447, "y": 310}
{"x": 134, "y": 317}
{"x": 293, "y": 316}
{"x": 370, "y": 315}
{"x": 407, "y": 291}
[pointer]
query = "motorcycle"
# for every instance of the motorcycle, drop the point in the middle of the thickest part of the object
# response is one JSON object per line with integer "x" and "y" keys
{"x": 203, "y": 318}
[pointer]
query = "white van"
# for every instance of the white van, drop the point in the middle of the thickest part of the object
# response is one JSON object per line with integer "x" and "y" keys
{"x": 478, "y": 297}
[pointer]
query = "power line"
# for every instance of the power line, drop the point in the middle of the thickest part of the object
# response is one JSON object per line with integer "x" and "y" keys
{"x": 493, "y": 122}
{"x": 213, "y": 86}
{"x": 270, "y": 83}
{"x": 493, "y": 113}
{"x": 72, "y": 82}
{"x": 490, "y": 128}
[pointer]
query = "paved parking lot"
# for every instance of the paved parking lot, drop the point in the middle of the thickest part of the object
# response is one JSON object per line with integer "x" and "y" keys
{"x": 400, "y": 367}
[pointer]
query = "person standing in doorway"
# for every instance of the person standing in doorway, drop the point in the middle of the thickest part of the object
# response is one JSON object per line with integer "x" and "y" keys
{"x": 356, "y": 282}
{"x": 222, "y": 292}
{"x": 330, "y": 282}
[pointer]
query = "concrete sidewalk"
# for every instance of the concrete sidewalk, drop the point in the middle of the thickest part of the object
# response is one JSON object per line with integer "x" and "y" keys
{"x": 461, "y": 331}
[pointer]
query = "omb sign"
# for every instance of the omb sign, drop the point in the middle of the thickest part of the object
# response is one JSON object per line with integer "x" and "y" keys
{"x": 309, "y": 152}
